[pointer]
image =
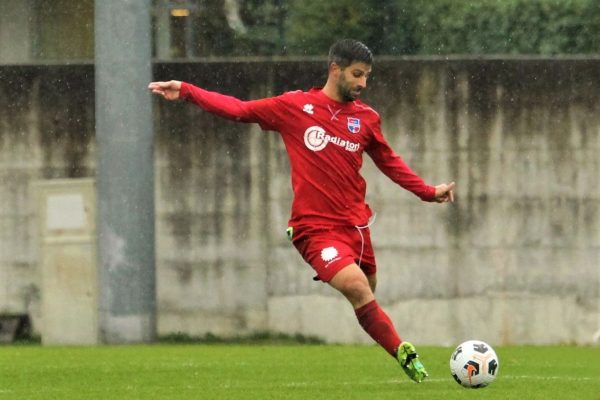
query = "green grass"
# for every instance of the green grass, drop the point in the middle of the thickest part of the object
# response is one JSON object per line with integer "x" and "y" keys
{"x": 226, "y": 371}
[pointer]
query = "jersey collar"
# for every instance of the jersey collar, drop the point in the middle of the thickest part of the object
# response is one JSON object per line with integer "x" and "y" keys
{"x": 318, "y": 91}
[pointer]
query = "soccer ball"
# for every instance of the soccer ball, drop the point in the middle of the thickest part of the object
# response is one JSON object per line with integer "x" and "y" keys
{"x": 474, "y": 364}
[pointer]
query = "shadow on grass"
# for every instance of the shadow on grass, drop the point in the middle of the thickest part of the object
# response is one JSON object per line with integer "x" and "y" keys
{"x": 258, "y": 338}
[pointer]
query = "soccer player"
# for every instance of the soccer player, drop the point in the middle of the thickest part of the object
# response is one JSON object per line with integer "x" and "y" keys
{"x": 326, "y": 131}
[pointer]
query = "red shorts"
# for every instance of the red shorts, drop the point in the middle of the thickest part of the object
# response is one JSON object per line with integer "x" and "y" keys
{"x": 328, "y": 249}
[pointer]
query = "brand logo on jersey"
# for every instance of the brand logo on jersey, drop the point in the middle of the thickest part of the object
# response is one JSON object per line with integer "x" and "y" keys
{"x": 309, "y": 109}
{"x": 329, "y": 253}
{"x": 316, "y": 139}
{"x": 353, "y": 125}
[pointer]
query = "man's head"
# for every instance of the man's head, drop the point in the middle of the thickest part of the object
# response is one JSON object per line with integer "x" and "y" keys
{"x": 349, "y": 67}
{"x": 347, "y": 51}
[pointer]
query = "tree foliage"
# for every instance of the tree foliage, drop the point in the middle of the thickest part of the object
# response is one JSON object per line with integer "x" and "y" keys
{"x": 508, "y": 27}
{"x": 395, "y": 27}
{"x": 264, "y": 30}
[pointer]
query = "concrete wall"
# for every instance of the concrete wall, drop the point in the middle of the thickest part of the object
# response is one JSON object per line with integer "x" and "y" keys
{"x": 46, "y": 131}
{"x": 514, "y": 260}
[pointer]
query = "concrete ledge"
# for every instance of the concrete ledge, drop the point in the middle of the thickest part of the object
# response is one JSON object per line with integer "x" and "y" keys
{"x": 501, "y": 318}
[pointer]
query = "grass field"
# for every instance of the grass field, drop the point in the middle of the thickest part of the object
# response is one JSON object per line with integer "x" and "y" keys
{"x": 283, "y": 372}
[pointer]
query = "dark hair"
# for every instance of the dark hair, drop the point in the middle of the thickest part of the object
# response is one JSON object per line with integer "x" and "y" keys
{"x": 346, "y": 51}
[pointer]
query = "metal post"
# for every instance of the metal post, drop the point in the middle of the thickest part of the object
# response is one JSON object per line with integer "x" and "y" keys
{"x": 125, "y": 178}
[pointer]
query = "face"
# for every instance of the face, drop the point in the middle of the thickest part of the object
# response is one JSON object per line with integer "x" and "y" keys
{"x": 352, "y": 80}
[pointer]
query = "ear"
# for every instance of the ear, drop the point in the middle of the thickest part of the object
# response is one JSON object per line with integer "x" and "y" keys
{"x": 334, "y": 69}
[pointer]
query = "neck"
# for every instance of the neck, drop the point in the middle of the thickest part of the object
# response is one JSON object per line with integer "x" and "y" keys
{"x": 330, "y": 90}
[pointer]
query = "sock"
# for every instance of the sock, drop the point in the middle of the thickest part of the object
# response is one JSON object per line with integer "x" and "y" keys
{"x": 379, "y": 326}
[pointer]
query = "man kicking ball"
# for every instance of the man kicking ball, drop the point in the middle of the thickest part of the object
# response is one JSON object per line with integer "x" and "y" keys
{"x": 326, "y": 131}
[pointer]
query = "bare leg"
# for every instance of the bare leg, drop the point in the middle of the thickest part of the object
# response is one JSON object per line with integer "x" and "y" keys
{"x": 372, "y": 281}
{"x": 352, "y": 282}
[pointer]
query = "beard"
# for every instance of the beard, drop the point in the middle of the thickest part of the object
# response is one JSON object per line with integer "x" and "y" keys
{"x": 346, "y": 92}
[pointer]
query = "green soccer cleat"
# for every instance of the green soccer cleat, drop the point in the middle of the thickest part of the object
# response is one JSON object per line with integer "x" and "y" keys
{"x": 410, "y": 363}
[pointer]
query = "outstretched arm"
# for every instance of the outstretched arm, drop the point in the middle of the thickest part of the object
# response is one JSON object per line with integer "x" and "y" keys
{"x": 263, "y": 111}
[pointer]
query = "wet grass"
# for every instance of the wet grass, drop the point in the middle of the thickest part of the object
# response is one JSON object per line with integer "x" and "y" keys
{"x": 282, "y": 371}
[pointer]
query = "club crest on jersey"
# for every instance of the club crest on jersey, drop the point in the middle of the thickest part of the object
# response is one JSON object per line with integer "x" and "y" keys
{"x": 353, "y": 125}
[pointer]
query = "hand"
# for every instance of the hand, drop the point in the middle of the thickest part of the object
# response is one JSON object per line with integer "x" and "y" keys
{"x": 169, "y": 90}
{"x": 444, "y": 193}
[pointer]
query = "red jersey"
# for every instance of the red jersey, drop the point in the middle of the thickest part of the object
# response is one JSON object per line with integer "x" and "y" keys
{"x": 325, "y": 141}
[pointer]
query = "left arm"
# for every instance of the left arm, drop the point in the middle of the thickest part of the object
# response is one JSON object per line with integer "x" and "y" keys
{"x": 392, "y": 165}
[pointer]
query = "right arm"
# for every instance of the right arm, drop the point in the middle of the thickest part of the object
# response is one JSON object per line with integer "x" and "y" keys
{"x": 258, "y": 111}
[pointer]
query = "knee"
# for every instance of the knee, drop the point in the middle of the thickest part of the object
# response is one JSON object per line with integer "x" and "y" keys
{"x": 357, "y": 291}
